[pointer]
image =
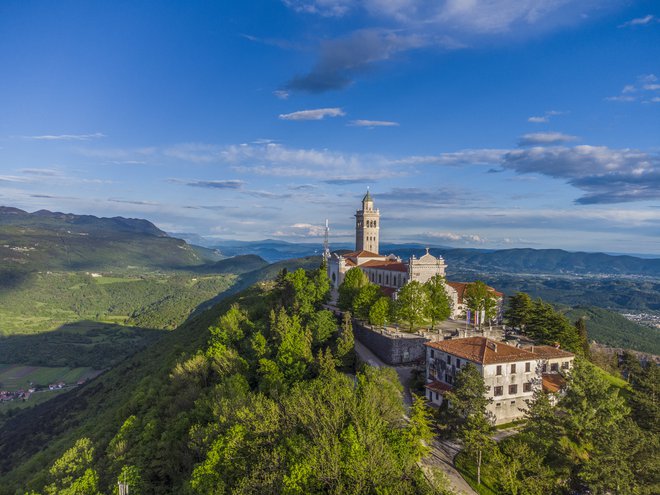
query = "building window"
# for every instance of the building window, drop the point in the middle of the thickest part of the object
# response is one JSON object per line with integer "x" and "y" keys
{"x": 448, "y": 378}
{"x": 528, "y": 367}
{"x": 498, "y": 404}
{"x": 513, "y": 402}
{"x": 554, "y": 367}
{"x": 436, "y": 396}
{"x": 498, "y": 391}
{"x": 564, "y": 365}
{"x": 432, "y": 353}
{"x": 458, "y": 363}
{"x": 498, "y": 372}
{"x": 513, "y": 389}
{"x": 448, "y": 359}
{"x": 527, "y": 387}
{"x": 513, "y": 368}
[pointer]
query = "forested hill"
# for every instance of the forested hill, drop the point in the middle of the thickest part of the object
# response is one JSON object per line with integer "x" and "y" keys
{"x": 46, "y": 240}
{"x": 247, "y": 397}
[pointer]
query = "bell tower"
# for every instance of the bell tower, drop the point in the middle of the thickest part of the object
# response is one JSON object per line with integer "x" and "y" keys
{"x": 367, "y": 225}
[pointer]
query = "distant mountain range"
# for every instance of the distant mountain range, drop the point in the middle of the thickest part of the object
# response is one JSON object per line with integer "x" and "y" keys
{"x": 532, "y": 261}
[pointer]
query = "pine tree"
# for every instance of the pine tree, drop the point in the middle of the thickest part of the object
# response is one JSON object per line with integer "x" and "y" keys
{"x": 581, "y": 326}
{"x": 346, "y": 343}
{"x": 519, "y": 312}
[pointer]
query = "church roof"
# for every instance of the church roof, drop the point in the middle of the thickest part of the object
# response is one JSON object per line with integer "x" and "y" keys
{"x": 362, "y": 254}
{"x": 395, "y": 266}
{"x": 483, "y": 350}
{"x": 367, "y": 197}
{"x": 429, "y": 258}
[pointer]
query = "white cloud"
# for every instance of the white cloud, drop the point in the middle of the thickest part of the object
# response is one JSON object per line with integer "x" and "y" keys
{"x": 281, "y": 94}
{"x": 316, "y": 114}
{"x": 538, "y": 120}
{"x": 66, "y": 137}
{"x": 457, "y": 158}
{"x": 640, "y": 21}
{"x": 545, "y": 138}
{"x": 639, "y": 91}
{"x": 373, "y": 123}
{"x": 456, "y": 237}
{"x": 543, "y": 119}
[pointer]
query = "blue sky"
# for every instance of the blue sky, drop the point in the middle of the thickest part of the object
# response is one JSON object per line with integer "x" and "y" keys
{"x": 481, "y": 123}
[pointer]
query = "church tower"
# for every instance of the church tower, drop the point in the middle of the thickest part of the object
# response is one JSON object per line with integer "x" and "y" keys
{"x": 367, "y": 224}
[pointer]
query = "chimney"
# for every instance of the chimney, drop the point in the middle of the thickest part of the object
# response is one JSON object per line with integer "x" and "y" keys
{"x": 492, "y": 345}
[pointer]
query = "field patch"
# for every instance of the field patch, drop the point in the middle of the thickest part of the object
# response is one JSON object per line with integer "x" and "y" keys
{"x": 17, "y": 377}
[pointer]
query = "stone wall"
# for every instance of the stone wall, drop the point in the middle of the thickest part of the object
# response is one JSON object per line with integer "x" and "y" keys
{"x": 390, "y": 349}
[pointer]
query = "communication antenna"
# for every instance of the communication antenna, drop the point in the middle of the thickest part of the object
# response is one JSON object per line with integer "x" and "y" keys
{"x": 326, "y": 242}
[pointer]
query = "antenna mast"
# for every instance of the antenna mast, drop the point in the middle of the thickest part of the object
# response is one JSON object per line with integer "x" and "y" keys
{"x": 326, "y": 242}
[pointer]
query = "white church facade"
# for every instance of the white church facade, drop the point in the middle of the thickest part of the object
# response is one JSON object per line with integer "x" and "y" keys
{"x": 390, "y": 272}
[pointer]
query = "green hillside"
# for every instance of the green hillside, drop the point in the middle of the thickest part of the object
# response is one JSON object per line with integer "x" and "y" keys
{"x": 610, "y": 328}
{"x": 55, "y": 241}
{"x": 233, "y": 401}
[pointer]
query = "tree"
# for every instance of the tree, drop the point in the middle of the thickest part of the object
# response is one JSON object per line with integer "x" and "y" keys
{"x": 73, "y": 474}
{"x": 439, "y": 303}
{"x": 323, "y": 325}
{"x": 490, "y": 309}
{"x": 550, "y": 327}
{"x": 475, "y": 297}
{"x": 346, "y": 343}
{"x": 581, "y": 326}
{"x": 645, "y": 396}
{"x": 354, "y": 280}
{"x": 467, "y": 414}
{"x": 519, "y": 312}
{"x": 519, "y": 469}
{"x": 364, "y": 299}
{"x": 411, "y": 303}
{"x": 379, "y": 314}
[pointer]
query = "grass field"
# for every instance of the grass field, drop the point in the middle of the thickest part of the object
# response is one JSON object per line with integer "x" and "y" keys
{"x": 15, "y": 376}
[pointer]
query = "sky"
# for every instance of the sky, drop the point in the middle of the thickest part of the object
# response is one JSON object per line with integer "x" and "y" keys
{"x": 474, "y": 123}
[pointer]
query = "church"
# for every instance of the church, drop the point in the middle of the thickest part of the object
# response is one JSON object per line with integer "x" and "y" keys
{"x": 390, "y": 272}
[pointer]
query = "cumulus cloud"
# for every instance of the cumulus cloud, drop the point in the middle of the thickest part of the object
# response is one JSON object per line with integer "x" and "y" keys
{"x": 545, "y": 138}
{"x": 316, "y": 114}
{"x": 606, "y": 175}
{"x": 66, "y": 137}
{"x": 373, "y": 123}
{"x": 301, "y": 230}
{"x": 455, "y": 237}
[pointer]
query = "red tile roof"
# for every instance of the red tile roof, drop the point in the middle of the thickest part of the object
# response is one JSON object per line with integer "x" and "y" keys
{"x": 439, "y": 387}
{"x": 460, "y": 287}
{"x": 549, "y": 352}
{"x": 391, "y": 265}
{"x": 483, "y": 350}
{"x": 552, "y": 382}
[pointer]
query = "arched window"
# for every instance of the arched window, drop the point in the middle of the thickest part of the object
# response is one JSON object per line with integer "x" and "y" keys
{"x": 374, "y": 223}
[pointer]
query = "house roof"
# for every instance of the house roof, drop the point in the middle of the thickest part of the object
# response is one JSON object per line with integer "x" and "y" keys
{"x": 438, "y": 387}
{"x": 483, "y": 350}
{"x": 460, "y": 287}
{"x": 549, "y": 352}
{"x": 395, "y": 266}
{"x": 552, "y": 382}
